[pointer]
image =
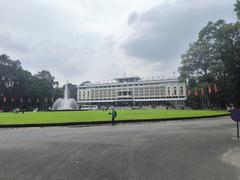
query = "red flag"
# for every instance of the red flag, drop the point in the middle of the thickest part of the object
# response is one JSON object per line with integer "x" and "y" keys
{"x": 209, "y": 89}
{"x": 202, "y": 92}
{"x": 196, "y": 93}
{"x": 4, "y": 99}
{"x": 215, "y": 88}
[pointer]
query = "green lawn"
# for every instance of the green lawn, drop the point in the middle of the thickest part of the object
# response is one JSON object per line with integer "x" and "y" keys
{"x": 93, "y": 116}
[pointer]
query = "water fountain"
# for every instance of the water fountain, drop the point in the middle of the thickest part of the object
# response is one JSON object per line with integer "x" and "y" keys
{"x": 65, "y": 103}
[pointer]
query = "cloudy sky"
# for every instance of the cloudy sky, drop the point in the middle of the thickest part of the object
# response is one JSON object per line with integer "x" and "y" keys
{"x": 97, "y": 40}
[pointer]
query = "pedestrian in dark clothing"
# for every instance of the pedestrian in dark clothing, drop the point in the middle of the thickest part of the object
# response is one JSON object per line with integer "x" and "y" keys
{"x": 114, "y": 115}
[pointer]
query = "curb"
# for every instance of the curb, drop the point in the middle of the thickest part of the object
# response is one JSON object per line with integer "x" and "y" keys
{"x": 106, "y": 122}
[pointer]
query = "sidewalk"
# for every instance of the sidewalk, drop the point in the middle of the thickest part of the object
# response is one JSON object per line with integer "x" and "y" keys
{"x": 232, "y": 156}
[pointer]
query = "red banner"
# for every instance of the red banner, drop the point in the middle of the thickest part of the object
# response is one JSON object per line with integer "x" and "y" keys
{"x": 196, "y": 93}
{"x": 203, "y": 94}
{"x": 209, "y": 89}
{"x": 215, "y": 88}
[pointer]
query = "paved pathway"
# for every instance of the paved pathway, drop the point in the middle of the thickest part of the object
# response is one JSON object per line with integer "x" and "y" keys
{"x": 201, "y": 149}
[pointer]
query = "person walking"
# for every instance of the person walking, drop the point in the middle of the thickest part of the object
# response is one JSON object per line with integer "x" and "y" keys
{"x": 114, "y": 115}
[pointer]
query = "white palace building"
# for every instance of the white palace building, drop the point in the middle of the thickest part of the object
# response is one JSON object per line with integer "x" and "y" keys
{"x": 131, "y": 91}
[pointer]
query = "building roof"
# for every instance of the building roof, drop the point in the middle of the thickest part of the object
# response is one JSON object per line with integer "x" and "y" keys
{"x": 127, "y": 79}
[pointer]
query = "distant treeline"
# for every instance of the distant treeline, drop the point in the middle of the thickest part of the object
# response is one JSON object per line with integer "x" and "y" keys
{"x": 20, "y": 89}
{"x": 211, "y": 65}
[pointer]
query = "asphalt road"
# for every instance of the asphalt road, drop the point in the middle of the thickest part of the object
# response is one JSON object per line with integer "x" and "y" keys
{"x": 184, "y": 150}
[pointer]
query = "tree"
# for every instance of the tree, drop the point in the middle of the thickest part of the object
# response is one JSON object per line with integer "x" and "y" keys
{"x": 202, "y": 60}
{"x": 229, "y": 38}
{"x": 46, "y": 75}
{"x": 215, "y": 58}
{"x": 14, "y": 81}
{"x": 237, "y": 8}
{"x": 22, "y": 89}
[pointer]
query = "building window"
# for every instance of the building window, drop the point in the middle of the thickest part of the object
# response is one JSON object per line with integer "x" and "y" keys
{"x": 168, "y": 91}
{"x": 181, "y": 90}
{"x": 92, "y": 93}
{"x": 162, "y": 90}
{"x": 175, "y": 91}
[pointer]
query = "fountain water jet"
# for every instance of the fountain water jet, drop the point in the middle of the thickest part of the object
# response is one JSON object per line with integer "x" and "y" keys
{"x": 65, "y": 103}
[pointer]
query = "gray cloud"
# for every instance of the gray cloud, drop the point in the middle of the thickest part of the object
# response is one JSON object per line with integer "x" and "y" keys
{"x": 70, "y": 57}
{"x": 47, "y": 36}
{"x": 163, "y": 33}
{"x": 8, "y": 41}
{"x": 132, "y": 17}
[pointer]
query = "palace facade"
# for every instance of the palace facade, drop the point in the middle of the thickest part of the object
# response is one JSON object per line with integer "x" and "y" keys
{"x": 131, "y": 91}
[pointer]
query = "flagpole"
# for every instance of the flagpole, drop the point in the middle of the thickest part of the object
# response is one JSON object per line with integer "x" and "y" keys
{"x": 215, "y": 102}
{"x": 201, "y": 102}
{"x": 238, "y": 130}
{"x": 47, "y": 104}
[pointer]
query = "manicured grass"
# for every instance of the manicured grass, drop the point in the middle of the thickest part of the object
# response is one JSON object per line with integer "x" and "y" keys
{"x": 94, "y": 116}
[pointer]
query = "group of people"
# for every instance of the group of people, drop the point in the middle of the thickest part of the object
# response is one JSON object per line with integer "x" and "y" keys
{"x": 18, "y": 110}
